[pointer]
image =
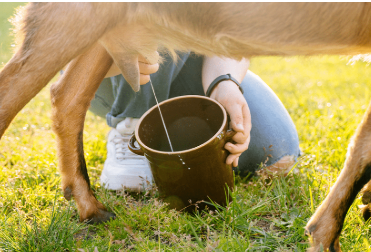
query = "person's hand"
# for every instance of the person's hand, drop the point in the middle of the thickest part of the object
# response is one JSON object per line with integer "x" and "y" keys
{"x": 145, "y": 68}
{"x": 228, "y": 94}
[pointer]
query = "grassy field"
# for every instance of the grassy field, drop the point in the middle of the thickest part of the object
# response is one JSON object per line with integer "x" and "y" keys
{"x": 326, "y": 98}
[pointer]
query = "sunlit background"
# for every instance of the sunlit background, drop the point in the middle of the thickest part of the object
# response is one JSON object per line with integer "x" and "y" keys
{"x": 326, "y": 98}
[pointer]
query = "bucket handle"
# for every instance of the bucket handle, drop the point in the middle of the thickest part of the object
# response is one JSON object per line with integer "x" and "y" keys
{"x": 230, "y": 132}
{"x": 133, "y": 148}
{"x": 229, "y": 135}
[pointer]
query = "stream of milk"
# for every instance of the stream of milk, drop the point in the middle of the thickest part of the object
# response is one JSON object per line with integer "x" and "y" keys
{"x": 162, "y": 118}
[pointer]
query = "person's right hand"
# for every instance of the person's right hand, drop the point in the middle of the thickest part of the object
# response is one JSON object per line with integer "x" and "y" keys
{"x": 228, "y": 94}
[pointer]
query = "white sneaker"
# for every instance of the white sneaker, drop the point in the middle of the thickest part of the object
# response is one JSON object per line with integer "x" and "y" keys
{"x": 122, "y": 168}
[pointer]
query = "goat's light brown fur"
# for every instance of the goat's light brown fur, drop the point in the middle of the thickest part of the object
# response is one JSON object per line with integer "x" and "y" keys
{"x": 93, "y": 35}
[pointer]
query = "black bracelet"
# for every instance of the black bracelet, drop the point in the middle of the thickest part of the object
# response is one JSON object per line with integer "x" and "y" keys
{"x": 220, "y": 79}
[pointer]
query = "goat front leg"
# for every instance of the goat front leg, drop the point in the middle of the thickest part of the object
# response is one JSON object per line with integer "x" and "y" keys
{"x": 71, "y": 97}
{"x": 326, "y": 224}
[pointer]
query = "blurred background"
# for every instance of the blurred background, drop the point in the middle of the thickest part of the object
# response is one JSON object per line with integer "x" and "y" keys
{"x": 326, "y": 97}
{"x": 6, "y": 10}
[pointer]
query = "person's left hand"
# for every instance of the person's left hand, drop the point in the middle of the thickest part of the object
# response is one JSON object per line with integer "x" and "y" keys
{"x": 228, "y": 94}
{"x": 145, "y": 68}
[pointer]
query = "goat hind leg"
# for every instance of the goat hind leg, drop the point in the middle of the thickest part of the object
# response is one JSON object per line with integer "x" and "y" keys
{"x": 71, "y": 97}
{"x": 48, "y": 46}
{"x": 366, "y": 200}
{"x": 326, "y": 224}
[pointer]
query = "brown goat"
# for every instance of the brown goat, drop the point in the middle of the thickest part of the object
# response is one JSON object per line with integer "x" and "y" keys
{"x": 91, "y": 36}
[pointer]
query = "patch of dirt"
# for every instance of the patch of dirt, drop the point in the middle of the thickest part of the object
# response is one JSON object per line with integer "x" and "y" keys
{"x": 266, "y": 226}
{"x": 85, "y": 234}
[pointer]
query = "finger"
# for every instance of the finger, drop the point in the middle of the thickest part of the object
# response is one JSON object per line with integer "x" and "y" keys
{"x": 148, "y": 69}
{"x": 237, "y": 148}
{"x": 144, "y": 79}
{"x": 143, "y": 59}
{"x": 236, "y": 117}
{"x": 150, "y": 58}
{"x": 231, "y": 158}
{"x": 242, "y": 137}
{"x": 235, "y": 162}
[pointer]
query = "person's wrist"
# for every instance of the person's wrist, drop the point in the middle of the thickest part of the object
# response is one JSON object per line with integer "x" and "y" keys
{"x": 224, "y": 85}
{"x": 217, "y": 80}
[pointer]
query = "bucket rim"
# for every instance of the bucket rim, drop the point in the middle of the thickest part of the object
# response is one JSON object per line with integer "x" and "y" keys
{"x": 183, "y": 151}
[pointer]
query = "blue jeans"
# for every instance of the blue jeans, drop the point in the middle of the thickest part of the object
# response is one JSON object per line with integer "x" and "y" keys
{"x": 273, "y": 132}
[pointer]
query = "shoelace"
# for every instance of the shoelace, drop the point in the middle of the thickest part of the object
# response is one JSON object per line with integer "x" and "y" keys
{"x": 122, "y": 149}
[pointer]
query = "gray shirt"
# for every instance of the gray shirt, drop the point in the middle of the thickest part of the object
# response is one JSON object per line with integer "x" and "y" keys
{"x": 128, "y": 103}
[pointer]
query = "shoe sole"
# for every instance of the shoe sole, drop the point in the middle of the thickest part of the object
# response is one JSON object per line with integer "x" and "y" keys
{"x": 136, "y": 183}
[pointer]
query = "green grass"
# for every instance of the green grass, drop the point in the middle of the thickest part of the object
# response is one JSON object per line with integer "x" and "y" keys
{"x": 326, "y": 98}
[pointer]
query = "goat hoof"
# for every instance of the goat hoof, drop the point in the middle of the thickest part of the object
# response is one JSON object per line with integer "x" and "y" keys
{"x": 309, "y": 229}
{"x": 101, "y": 217}
{"x": 366, "y": 213}
{"x": 67, "y": 193}
{"x": 319, "y": 242}
{"x": 366, "y": 197}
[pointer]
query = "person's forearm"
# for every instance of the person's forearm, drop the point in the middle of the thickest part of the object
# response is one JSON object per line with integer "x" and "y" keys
{"x": 228, "y": 94}
{"x": 213, "y": 67}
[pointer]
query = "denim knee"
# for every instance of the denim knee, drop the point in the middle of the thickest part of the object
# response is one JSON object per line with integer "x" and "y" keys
{"x": 273, "y": 133}
{"x": 103, "y": 99}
